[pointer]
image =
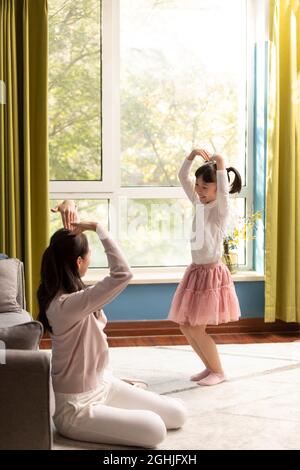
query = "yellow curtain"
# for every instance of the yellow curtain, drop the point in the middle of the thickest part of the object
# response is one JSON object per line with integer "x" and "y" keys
{"x": 282, "y": 289}
{"x": 23, "y": 132}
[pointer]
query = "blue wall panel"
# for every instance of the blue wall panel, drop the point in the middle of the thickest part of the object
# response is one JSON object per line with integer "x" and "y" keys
{"x": 152, "y": 301}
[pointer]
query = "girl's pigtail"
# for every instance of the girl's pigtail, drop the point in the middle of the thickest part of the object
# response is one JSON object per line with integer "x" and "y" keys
{"x": 236, "y": 185}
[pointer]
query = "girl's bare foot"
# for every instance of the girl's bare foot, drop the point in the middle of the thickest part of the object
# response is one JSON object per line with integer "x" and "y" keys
{"x": 200, "y": 375}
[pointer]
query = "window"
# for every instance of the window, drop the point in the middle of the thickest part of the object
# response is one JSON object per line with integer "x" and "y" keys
{"x": 75, "y": 90}
{"x": 134, "y": 86}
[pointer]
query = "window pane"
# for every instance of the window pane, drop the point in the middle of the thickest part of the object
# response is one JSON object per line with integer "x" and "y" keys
{"x": 89, "y": 209}
{"x": 237, "y": 215}
{"x": 75, "y": 90}
{"x": 183, "y": 85}
{"x": 153, "y": 232}
{"x": 156, "y": 232}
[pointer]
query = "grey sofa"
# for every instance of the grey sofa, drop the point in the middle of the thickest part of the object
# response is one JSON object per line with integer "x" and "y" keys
{"x": 25, "y": 388}
{"x": 25, "y": 421}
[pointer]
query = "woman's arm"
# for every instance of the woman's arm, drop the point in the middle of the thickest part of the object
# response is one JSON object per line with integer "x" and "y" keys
{"x": 79, "y": 304}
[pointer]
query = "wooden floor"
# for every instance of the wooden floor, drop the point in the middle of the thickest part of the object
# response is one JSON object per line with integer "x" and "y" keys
{"x": 166, "y": 333}
{"x": 227, "y": 338}
{"x": 256, "y": 338}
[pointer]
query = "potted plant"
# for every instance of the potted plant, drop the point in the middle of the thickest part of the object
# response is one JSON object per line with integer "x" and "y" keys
{"x": 244, "y": 231}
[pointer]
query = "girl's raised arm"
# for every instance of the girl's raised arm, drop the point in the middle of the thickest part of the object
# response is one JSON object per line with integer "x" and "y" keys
{"x": 184, "y": 175}
{"x": 186, "y": 180}
{"x": 222, "y": 190}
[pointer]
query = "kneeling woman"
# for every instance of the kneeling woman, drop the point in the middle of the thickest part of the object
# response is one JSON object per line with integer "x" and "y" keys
{"x": 91, "y": 404}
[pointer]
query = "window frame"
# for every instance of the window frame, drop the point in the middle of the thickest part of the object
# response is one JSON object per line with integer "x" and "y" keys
{"x": 110, "y": 187}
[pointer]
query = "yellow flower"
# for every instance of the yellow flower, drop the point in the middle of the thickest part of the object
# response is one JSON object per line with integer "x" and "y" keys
{"x": 242, "y": 232}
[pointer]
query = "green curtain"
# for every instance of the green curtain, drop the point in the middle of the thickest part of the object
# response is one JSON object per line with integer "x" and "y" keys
{"x": 23, "y": 130}
{"x": 282, "y": 289}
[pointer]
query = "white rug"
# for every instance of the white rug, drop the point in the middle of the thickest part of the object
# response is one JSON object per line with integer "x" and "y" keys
{"x": 258, "y": 408}
{"x": 167, "y": 369}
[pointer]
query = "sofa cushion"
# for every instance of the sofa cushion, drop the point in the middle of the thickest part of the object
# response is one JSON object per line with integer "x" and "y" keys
{"x": 10, "y": 279}
{"x": 14, "y": 318}
{"x": 25, "y": 336}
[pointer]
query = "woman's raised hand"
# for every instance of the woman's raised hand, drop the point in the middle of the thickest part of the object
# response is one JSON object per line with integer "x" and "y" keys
{"x": 68, "y": 212}
{"x": 79, "y": 227}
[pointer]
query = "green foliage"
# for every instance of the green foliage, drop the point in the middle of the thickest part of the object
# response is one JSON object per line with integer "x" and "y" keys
{"x": 165, "y": 111}
{"x": 164, "y": 116}
{"x": 74, "y": 90}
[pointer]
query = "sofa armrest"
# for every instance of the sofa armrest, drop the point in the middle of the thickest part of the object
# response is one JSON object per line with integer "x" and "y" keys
{"x": 25, "y": 421}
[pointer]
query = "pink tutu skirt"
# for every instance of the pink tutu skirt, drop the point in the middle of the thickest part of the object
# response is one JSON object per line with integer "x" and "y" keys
{"x": 205, "y": 296}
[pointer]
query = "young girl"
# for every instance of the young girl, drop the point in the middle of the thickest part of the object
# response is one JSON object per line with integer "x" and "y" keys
{"x": 91, "y": 404}
{"x": 206, "y": 294}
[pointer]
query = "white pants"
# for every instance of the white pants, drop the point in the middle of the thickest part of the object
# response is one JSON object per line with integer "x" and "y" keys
{"x": 126, "y": 415}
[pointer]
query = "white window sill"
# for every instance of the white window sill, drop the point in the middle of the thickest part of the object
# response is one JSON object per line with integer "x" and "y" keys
{"x": 165, "y": 276}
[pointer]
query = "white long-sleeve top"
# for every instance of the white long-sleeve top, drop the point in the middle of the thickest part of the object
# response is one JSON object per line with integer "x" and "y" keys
{"x": 79, "y": 344}
{"x": 210, "y": 220}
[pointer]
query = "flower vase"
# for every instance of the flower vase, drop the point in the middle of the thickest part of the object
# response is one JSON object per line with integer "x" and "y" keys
{"x": 230, "y": 258}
